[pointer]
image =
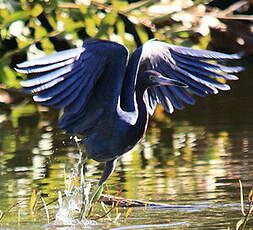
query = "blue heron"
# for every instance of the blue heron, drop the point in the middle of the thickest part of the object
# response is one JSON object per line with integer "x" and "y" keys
{"x": 108, "y": 96}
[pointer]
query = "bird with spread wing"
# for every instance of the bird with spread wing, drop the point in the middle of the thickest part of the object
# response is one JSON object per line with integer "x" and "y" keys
{"x": 108, "y": 96}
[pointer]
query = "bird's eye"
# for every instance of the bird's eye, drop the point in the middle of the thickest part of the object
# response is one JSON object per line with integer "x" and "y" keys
{"x": 152, "y": 78}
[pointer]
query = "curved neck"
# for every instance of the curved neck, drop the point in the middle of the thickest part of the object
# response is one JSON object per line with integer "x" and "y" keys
{"x": 138, "y": 114}
{"x": 127, "y": 96}
{"x": 142, "y": 114}
{"x": 140, "y": 103}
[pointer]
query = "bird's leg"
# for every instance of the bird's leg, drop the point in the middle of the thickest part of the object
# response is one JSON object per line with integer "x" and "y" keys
{"x": 108, "y": 170}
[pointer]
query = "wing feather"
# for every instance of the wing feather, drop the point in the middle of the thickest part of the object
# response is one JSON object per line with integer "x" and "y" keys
{"x": 175, "y": 101}
{"x": 61, "y": 90}
{"x": 53, "y": 58}
{"x": 190, "y": 66}
{"x": 202, "y": 54}
{"x": 44, "y": 68}
{"x": 68, "y": 79}
{"x": 208, "y": 66}
{"x": 182, "y": 94}
{"x": 47, "y": 77}
{"x": 150, "y": 100}
{"x": 166, "y": 103}
{"x": 205, "y": 71}
{"x": 198, "y": 87}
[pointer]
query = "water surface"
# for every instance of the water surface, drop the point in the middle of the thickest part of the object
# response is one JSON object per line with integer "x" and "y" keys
{"x": 191, "y": 161}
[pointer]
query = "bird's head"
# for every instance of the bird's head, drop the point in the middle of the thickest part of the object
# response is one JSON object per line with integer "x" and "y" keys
{"x": 154, "y": 78}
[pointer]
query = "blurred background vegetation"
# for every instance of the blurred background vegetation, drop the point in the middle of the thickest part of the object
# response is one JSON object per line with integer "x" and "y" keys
{"x": 32, "y": 28}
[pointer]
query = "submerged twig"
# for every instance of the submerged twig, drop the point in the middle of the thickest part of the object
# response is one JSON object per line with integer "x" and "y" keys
{"x": 97, "y": 218}
{"x": 123, "y": 202}
{"x": 106, "y": 211}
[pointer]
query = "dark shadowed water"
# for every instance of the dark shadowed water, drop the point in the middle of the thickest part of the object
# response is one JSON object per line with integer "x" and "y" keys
{"x": 191, "y": 161}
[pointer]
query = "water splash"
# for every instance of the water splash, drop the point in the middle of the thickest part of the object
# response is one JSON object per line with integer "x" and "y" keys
{"x": 76, "y": 198}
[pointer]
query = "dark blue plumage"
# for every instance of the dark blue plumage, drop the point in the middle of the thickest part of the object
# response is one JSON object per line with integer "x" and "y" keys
{"x": 108, "y": 97}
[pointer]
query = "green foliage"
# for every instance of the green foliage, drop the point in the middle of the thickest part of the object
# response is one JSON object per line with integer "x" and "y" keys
{"x": 34, "y": 27}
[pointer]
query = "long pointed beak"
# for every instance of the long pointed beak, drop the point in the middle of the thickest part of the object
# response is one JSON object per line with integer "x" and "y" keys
{"x": 161, "y": 80}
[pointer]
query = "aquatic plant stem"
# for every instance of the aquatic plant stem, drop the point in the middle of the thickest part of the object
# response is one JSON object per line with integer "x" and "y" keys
{"x": 241, "y": 196}
{"x": 241, "y": 224}
{"x": 46, "y": 209}
{"x": 246, "y": 218}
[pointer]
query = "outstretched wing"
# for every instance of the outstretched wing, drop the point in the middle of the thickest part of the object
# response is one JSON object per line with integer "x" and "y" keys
{"x": 190, "y": 66}
{"x": 68, "y": 80}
